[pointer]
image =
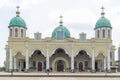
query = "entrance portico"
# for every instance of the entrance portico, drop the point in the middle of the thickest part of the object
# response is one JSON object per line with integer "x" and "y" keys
{"x": 60, "y": 60}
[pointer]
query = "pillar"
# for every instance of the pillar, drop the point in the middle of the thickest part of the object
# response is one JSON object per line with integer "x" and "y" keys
{"x": 72, "y": 59}
{"x": 105, "y": 64}
{"x": 10, "y": 58}
{"x": 27, "y": 59}
{"x": 15, "y": 64}
{"x": 47, "y": 58}
{"x": 93, "y": 59}
{"x": 108, "y": 59}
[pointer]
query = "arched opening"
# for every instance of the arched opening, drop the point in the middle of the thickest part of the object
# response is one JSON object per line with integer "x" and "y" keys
{"x": 20, "y": 61}
{"x": 59, "y": 60}
{"x": 99, "y": 62}
{"x": 103, "y": 33}
{"x": 83, "y": 61}
{"x": 98, "y": 33}
{"x": 80, "y": 66}
{"x": 37, "y": 60}
{"x": 16, "y": 32}
{"x": 109, "y": 34}
{"x": 39, "y": 66}
{"x": 10, "y": 32}
{"x": 60, "y": 66}
{"x": 21, "y": 33}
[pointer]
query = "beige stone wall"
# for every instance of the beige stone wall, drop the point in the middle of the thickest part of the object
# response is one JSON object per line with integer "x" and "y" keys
{"x": 19, "y": 45}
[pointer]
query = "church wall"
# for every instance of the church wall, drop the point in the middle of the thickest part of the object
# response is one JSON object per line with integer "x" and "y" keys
{"x": 18, "y": 48}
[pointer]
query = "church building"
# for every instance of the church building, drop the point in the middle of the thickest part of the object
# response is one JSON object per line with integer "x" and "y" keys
{"x": 60, "y": 52}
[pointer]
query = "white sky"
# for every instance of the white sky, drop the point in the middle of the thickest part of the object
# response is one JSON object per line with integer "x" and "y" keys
{"x": 43, "y": 16}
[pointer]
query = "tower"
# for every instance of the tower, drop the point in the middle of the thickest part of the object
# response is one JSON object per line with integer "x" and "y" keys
{"x": 17, "y": 26}
{"x": 103, "y": 29}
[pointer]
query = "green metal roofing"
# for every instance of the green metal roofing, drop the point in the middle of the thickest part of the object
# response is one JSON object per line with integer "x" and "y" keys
{"x": 61, "y": 28}
{"x": 17, "y": 21}
{"x": 103, "y": 22}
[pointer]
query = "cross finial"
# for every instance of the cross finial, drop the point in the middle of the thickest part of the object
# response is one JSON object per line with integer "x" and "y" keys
{"x": 17, "y": 12}
{"x": 61, "y": 22}
{"x": 103, "y": 13}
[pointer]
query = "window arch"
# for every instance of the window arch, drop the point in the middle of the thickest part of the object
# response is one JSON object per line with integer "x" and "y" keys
{"x": 103, "y": 33}
{"x": 109, "y": 33}
{"x": 10, "y": 32}
{"x": 98, "y": 33}
{"x": 21, "y": 33}
{"x": 16, "y": 32}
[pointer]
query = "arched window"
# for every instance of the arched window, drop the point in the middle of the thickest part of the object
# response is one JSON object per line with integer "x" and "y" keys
{"x": 109, "y": 33}
{"x": 103, "y": 33}
{"x": 10, "y": 32}
{"x": 21, "y": 33}
{"x": 16, "y": 32}
{"x": 98, "y": 33}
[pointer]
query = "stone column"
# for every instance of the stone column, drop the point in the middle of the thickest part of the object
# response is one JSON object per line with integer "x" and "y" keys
{"x": 108, "y": 59}
{"x": 105, "y": 64}
{"x": 47, "y": 58}
{"x": 72, "y": 59}
{"x": 27, "y": 58}
{"x": 93, "y": 59}
{"x": 15, "y": 64}
{"x": 10, "y": 58}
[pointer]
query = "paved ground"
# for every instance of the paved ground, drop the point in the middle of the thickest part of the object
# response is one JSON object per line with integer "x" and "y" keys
{"x": 55, "y": 78}
{"x": 59, "y": 76}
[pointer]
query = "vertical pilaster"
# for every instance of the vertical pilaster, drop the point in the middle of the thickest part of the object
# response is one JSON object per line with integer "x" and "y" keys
{"x": 72, "y": 58}
{"x": 15, "y": 64}
{"x": 47, "y": 58}
{"x": 93, "y": 59}
{"x": 108, "y": 59}
{"x": 27, "y": 58}
{"x": 10, "y": 58}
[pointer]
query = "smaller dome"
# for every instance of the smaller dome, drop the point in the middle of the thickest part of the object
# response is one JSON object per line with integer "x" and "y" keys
{"x": 103, "y": 22}
{"x": 17, "y": 21}
{"x": 61, "y": 28}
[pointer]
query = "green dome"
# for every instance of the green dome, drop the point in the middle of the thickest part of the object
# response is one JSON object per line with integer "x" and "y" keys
{"x": 61, "y": 28}
{"x": 103, "y": 22}
{"x": 17, "y": 21}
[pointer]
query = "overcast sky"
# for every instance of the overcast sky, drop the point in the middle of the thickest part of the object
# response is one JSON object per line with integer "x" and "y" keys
{"x": 43, "y": 16}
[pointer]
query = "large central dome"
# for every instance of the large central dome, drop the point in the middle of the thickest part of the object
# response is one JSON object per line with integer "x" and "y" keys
{"x": 61, "y": 28}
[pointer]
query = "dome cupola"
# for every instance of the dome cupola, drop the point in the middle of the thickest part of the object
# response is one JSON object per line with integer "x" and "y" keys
{"x": 66, "y": 33}
{"x": 17, "y": 21}
{"x": 102, "y": 22}
{"x": 17, "y": 26}
{"x": 103, "y": 27}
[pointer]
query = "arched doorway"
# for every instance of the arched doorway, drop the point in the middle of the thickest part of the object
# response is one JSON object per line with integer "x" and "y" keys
{"x": 39, "y": 66}
{"x": 60, "y": 66}
{"x": 80, "y": 66}
{"x": 37, "y": 60}
{"x": 83, "y": 61}
{"x": 20, "y": 61}
{"x": 60, "y": 60}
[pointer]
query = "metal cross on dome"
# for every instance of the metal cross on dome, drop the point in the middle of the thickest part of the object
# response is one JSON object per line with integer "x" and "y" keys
{"x": 103, "y": 13}
{"x": 102, "y": 8}
{"x": 61, "y": 22}
{"x": 17, "y": 8}
{"x": 17, "y": 12}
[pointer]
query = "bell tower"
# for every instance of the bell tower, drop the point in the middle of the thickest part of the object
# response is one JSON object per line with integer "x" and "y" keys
{"x": 17, "y": 26}
{"x": 103, "y": 29}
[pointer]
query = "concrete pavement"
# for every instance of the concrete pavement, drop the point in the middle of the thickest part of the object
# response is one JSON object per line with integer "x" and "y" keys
{"x": 58, "y": 74}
